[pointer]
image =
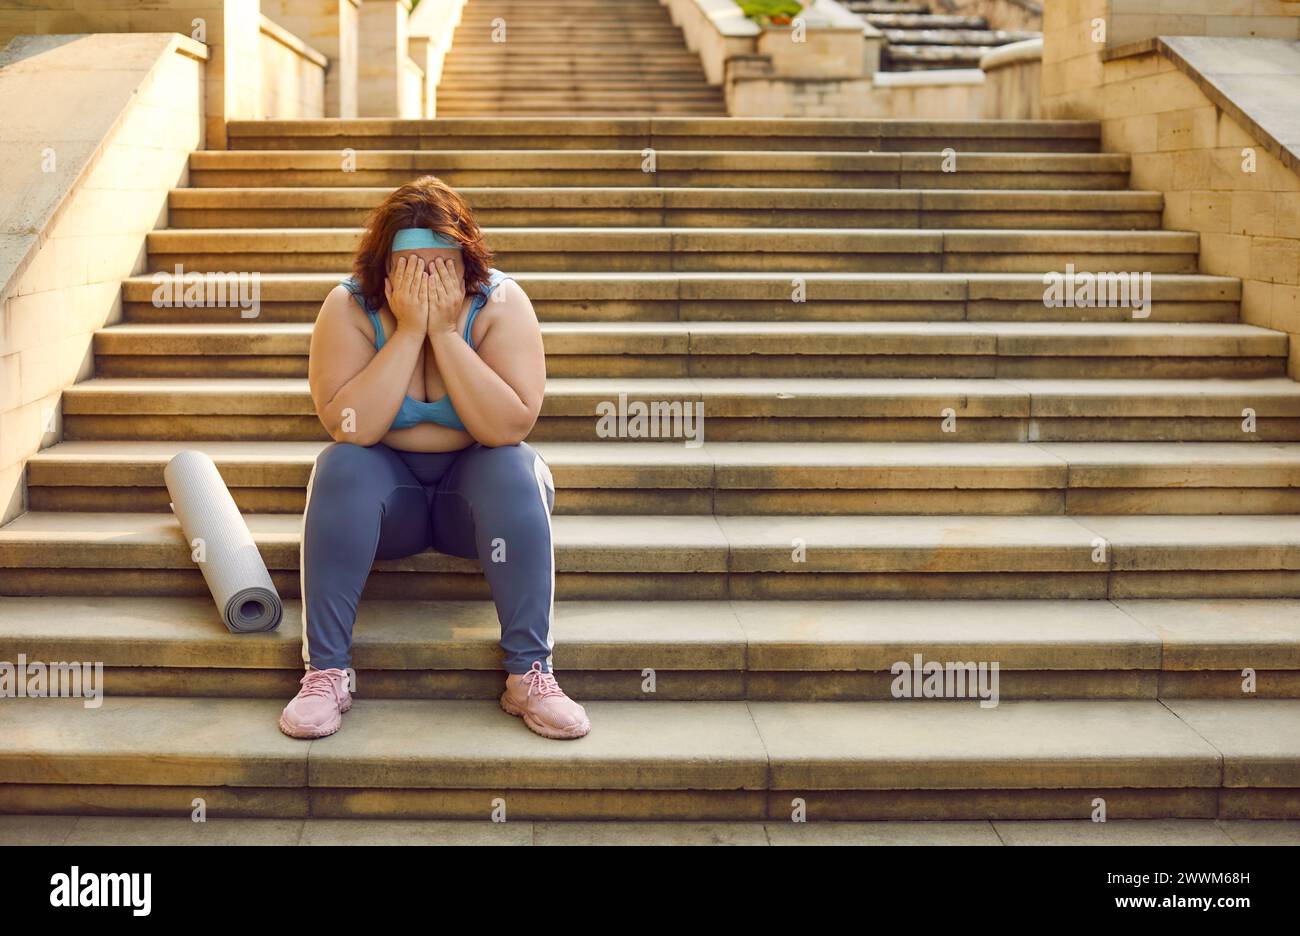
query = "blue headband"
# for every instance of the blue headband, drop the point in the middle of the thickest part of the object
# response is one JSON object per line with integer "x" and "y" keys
{"x": 421, "y": 239}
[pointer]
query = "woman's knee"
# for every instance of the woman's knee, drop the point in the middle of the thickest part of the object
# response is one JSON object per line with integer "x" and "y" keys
{"x": 509, "y": 472}
{"x": 343, "y": 465}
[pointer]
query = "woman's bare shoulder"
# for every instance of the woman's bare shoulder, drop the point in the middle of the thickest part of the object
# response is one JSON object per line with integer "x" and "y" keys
{"x": 341, "y": 312}
{"x": 509, "y": 296}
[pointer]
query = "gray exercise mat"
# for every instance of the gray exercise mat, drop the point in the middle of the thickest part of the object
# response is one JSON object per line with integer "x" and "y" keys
{"x": 231, "y": 564}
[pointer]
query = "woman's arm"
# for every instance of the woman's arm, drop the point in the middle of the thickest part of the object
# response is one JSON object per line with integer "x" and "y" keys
{"x": 357, "y": 391}
{"x": 498, "y": 391}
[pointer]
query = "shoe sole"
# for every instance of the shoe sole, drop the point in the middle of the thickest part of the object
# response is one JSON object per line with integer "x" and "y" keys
{"x": 536, "y": 727}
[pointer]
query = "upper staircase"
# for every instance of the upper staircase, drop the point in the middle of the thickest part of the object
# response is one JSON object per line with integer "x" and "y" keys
{"x": 918, "y": 39}
{"x": 537, "y": 57}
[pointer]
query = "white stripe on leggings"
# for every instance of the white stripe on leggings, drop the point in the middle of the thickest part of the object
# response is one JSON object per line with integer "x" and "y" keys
{"x": 302, "y": 560}
{"x": 542, "y": 472}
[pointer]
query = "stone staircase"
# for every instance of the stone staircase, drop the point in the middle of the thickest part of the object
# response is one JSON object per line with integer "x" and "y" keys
{"x": 536, "y": 57}
{"x": 918, "y": 39}
{"x": 918, "y": 458}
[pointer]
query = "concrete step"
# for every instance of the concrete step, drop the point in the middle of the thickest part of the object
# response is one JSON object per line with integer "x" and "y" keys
{"x": 594, "y": 55}
{"x": 538, "y": 85}
{"x": 891, "y": 7}
{"x": 757, "y": 349}
{"x": 667, "y": 133}
{"x": 616, "y": 249}
{"x": 586, "y": 91}
{"x": 653, "y": 59}
{"x": 738, "y": 297}
{"x": 744, "y": 169}
{"x": 650, "y": 70}
{"x": 582, "y": 91}
{"x": 584, "y": 41}
{"x": 181, "y": 830}
{"x": 743, "y": 410}
{"x": 931, "y": 35}
{"x": 908, "y": 57}
{"x": 677, "y": 558}
{"x": 739, "y": 478}
{"x": 656, "y": 206}
{"x": 884, "y": 21}
{"x": 698, "y": 650}
{"x": 511, "y": 109}
{"x": 695, "y": 760}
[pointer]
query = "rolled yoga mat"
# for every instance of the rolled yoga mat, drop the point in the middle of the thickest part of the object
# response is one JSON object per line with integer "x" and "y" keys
{"x": 231, "y": 564}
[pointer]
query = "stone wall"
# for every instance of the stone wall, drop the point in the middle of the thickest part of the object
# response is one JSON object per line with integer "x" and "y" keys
{"x": 1076, "y": 33}
{"x": 1195, "y": 148}
{"x": 98, "y": 130}
{"x": 1132, "y": 20}
{"x": 384, "y": 81}
{"x": 1219, "y": 178}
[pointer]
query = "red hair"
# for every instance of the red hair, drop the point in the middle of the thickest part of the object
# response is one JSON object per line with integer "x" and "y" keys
{"x": 427, "y": 202}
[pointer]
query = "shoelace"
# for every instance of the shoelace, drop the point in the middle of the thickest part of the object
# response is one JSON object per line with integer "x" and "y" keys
{"x": 318, "y": 683}
{"x": 543, "y": 684}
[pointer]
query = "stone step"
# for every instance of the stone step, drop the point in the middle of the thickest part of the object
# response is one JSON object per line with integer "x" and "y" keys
{"x": 520, "y": 42}
{"x": 653, "y": 61}
{"x": 510, "y": 109}
{"x": 885, "y": 21}
{"x": 668, "y": 133}
{"x": 611, "y": 97}
{"x": 903, "y": 57}
{"x": 513, "y": 109}
{"x": 657, "y": 206}
{"x": 495, "y": 84}
{"x": 947, "y": 36}
{"x": 743, "y": 410}
{"x": 698, "y": 650}
{"x": 739, "y": 478}
{"x": 677, "y": 558}
{"x": 576, "y": 91}
{"x": 182, "y": 830}
{"x": 571, "y": 66}
{"x": 568, "y": 249}
{"x": 596, "y": 55}
{"x": 526, "y": 17}
{"x": 610, "y": 39}
{"x": 740, "y": 297}
{"x": 887, "y": 7}
{"x": 680, "y": 760}
{"x": 757, "y": 349}
{"x": 745, "y": 169}
{"x": 575, "y": 86}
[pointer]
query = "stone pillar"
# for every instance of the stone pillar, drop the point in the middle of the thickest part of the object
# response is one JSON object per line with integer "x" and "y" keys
{"x": 382, "y": 69}
{"x": 1074, "y": 36}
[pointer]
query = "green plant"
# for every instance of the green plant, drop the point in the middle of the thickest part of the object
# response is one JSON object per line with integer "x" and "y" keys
{"x": 766, "y": 10}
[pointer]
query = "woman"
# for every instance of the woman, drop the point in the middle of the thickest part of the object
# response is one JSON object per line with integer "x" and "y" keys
{"x": 427, "y": 370}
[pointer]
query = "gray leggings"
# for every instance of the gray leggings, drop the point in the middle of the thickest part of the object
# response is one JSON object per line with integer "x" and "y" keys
{"x": 375, "y": 502}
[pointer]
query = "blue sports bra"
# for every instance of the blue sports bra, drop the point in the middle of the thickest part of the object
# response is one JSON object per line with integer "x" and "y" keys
{"x": 412, "y": 411}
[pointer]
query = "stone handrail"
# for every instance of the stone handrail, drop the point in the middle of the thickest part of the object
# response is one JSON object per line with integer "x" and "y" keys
{"x": 1012, "y": 81}
{"x": 1013, "y": 53}
{"x": 270, "y": 28}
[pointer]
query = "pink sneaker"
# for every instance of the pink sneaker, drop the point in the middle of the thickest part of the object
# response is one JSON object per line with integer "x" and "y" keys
{"x": 538, "y": 699}
{"x": 317, "y": 710}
